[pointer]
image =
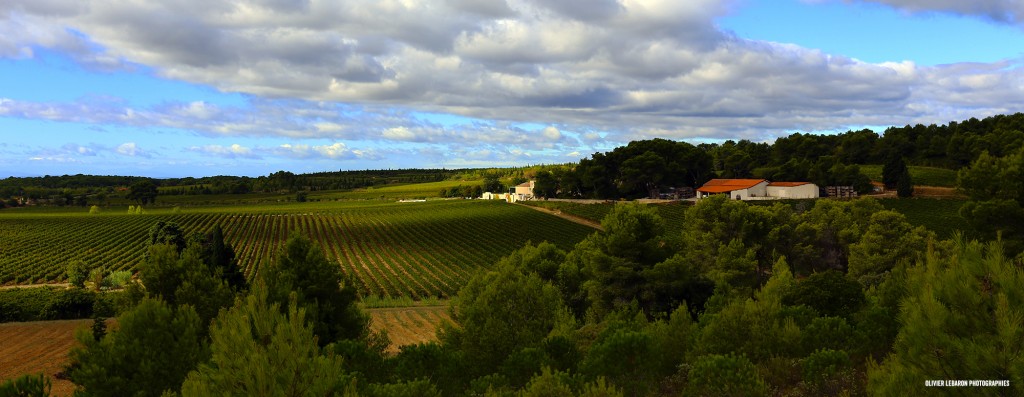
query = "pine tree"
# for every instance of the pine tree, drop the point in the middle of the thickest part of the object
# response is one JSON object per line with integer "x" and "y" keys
{"x": 259, "y": 350}
{"x": 962, "y": 318}
{"x": 904, "y": 185}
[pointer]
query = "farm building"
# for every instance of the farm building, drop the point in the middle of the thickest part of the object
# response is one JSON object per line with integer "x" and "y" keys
{"x": 793, "y": 190}
{"x": 758, "y": 189}
{"x": 496, "y": 196}
{"x": 739, "y": 189}
{"x": 522, "y": 191}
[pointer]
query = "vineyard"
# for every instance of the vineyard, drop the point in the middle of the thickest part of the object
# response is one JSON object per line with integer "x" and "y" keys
{"x": 419, "y": 250}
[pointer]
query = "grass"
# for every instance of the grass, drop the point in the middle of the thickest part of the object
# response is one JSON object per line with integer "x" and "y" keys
{"x": 924, "y": 176}
{"x": 394, "y": 192}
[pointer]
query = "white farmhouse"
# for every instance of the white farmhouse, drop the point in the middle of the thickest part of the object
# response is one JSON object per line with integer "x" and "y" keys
{"x": 522, "y": 191}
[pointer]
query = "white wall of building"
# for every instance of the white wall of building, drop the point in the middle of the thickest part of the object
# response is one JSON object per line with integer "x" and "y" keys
{"x": 805, "y": 191}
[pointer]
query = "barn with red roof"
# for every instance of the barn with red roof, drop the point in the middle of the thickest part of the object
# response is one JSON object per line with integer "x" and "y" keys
{"x": 758, "y": 189}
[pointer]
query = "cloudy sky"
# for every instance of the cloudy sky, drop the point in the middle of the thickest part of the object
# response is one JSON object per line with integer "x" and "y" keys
{"x": 209, "y": 87}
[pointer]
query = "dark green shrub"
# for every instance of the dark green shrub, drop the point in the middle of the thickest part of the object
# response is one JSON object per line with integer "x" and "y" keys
{"x": 26, "y": 386}
{"x": 69, "y": 304}
{"x": 728, "y": 375}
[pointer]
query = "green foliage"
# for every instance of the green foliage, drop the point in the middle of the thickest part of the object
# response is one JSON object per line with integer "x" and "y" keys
{"x": 320, "y": 289}
{"x": 94, "y": 209}
{"x": 70, "y": 304}
{"x": 996, "y": 191}
{"x": 416, "y": 388}
{"x": 258, "y": 349}
{"x": 904, "y": 185}
{"x": 828, "y": 373}
{"x": 830, "y": 293}
{"x": 893, "y": 170}
{"x": 755, "y": 328}
{"x": 828, "y": 229}
{"x": 501, "y": 312}
{"x": 727, "y": 240}
{"x": 221, "y": 257}
{"x": 185, "y": 280}
{"x": 888, "y": 240}
{"x": 117, "y": 279}
{"x": 151, "y": 351}
{"x": 144, "y": 192}
{"x": 639, "y": 169}
{"x": 167, "y": 233}
{"x": 961, "y": 319}
{"x": 545, "y": 185}
{"x": 26, "y": 386}
{"x": 625, "y": 357}
{"x": 77, "y": 273}
{"x": 44, "y": 303}
{"x": 614, "y": 261}
{"x": 724, "y": 375}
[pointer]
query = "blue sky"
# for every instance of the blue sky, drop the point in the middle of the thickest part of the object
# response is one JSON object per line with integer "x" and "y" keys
{"x": 210, "y": 87}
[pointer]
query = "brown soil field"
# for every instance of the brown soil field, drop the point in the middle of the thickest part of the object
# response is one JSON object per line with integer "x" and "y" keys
{"x": 39, "y": 346}
{"x": 408, "y": 325}
{"x": 43, "y": 346}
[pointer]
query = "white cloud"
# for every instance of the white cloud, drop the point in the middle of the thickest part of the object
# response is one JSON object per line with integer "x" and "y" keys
{"x": 233, "y": 151}
{"x": 551, "y": 134}
{"x": 335, "y": 151}
{"x": 128, "y": 149}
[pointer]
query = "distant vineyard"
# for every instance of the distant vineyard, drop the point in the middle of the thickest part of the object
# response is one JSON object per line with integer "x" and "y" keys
{"x": 387, "y": 249}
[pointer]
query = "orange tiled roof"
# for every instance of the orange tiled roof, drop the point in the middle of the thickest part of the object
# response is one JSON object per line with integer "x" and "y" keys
{"x": 788, "y": 184}
{"x": 728, "y": 185}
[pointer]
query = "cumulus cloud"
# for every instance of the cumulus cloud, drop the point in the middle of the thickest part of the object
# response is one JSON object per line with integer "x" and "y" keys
{"x": 602, "y": 71}
{"x": 1001, "y": 11}
{"x": 131, "y": 149}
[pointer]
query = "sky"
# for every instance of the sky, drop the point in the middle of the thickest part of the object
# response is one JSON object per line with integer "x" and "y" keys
{"x": 220, "y": 87}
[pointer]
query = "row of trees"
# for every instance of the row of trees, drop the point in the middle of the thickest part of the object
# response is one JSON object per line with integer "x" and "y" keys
{"x": 953, "y": 145}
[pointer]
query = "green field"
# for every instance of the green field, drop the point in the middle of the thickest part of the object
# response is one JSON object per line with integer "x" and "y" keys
{"x": 923, "y": 176}
{"x": 422, "y": 249}
{"x": 941, "y": 216}
{"x": 672, "y": 213}
{"x": 392, "y": 192}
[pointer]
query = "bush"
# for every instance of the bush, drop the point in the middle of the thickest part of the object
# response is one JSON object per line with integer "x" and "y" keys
{"x": 830, "y": 293}
{"x": 77, "y": 273}
{"x": 69, "y": 304}
{"x": 118, "y": 279}
{"x": 729, "y": 375}
{"x": 33, "y": 304}
{"x": 27, "y": 385}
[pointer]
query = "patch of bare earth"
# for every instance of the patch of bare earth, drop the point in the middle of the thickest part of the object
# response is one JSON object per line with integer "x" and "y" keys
{"x": 408, "y": 325}
{"x": 43, "y": 346}
{"x": 38, "y": 346}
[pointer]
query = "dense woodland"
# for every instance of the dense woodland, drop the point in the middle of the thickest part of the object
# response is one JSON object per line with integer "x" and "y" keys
{"x": 824, "y": 297}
